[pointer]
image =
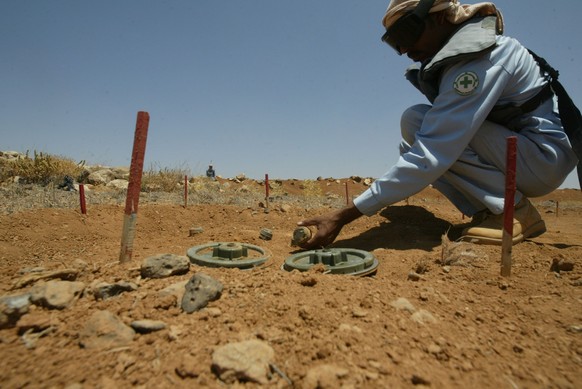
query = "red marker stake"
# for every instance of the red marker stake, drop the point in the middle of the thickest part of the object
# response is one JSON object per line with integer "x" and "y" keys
{"x": 185, "y": 191}
{"x": 266, "y": 193}
{"x": 347, "y": 196}
{"x": 82, "y": 199}
{"x": 135, "y": 173}
{"x": 510, "y": 173}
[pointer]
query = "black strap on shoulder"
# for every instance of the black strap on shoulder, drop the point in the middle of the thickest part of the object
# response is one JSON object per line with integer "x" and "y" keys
{"x": 532, "y": 104}
{"x": 569, "y": 113}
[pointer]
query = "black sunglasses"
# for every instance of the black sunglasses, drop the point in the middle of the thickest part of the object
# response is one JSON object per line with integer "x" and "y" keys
{"x": 406, "y": 31}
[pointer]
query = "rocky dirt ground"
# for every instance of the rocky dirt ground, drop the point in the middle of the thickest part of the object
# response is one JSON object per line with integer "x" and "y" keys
{"x": 456, "y": 323}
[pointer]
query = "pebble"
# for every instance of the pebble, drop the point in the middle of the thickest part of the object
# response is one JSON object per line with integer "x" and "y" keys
{"x": 518, "y": 349}
{"x": 434, "y": 349}
{"x": 146, "y": 326}
{"x": 403, "y": 304}
{"x": 27, "y": 270}
{"x": 419, "y": 380}
{"x": 423, "y": 317}
{"x": 503, "y": 285}
{"x": 214, "y": 312}
{"x": 349, "y": 328}
{"x": 358, "y": 312}
{"x": 560, "y": 264}
{"x": 189, "y": 367}
{"x": 80, "y": 265}
{"x": 195, "y": 231}
{"x": 326, "y": 376}
{"x": 266, "y": 234}
{"x": 175, "y": 332}
{"x": 103, "y": 290}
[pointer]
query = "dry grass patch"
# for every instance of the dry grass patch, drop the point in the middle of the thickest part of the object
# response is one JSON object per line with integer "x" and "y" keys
{"x": 311, "y": 188}
{"x": 163, "y": 179}
{"x": 41, "y": 168}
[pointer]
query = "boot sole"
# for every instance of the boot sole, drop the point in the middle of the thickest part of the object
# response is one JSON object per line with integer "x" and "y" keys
{"x": 533, "y": 231}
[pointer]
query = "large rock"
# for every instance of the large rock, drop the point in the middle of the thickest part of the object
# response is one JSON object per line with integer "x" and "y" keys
{"x": 118, "y": 183}
{"x": 200, "y": 290}
{"x": 164, "y": 265}
{"x": 56, "y": 294}
{"x": 39, "y": 274}
{"x": 11, "y": 155}
{"x": 104, "y": 330}
{"x": 12, "y": 308}
{"x": 121, "y": 172}
{"x": 244, "y": 361}
{"x": 101, "y": 177}
{"x": 176, "y": 290}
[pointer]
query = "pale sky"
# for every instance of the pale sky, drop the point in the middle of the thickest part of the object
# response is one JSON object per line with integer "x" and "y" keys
{"x": 295, "y": 89}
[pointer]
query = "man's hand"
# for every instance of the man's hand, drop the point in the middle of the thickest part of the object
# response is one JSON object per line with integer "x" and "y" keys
{"x": 329, "y": 226}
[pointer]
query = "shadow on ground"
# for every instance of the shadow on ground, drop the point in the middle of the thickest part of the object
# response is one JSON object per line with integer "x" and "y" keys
{"x": 406, "y": 227}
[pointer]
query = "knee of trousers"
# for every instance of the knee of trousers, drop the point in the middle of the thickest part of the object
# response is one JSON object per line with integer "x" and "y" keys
{"x": 411, "y": 121}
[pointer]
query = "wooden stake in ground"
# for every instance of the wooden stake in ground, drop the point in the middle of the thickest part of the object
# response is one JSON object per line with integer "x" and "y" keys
{"x": 347, "y": 195}
{"x": 135, "y": 173}
{"x": 510, "y": 172}
{"x": 185, "y": 191}
{"x": 82, "y": 199}
{"x": 266, "y": 193}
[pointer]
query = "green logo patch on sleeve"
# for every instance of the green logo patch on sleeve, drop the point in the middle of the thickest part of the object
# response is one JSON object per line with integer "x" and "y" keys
{"x": 466, "y": 83}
